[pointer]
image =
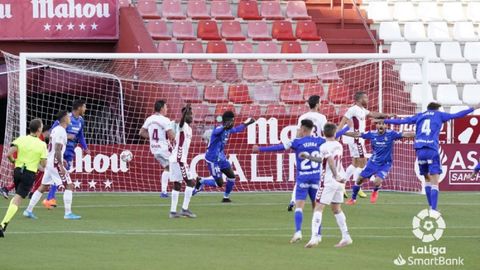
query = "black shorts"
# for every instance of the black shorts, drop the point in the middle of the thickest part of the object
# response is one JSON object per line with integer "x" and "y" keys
{"x": 23, "y": 181}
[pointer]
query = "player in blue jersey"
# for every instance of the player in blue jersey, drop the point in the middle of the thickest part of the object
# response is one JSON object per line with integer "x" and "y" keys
{"x": 428, "y": 127}
{"x": 75, "y": 136}
{"x": 382, "y": 141}
{"x": 216, "y": 159}
{"x": 476, "y": 170}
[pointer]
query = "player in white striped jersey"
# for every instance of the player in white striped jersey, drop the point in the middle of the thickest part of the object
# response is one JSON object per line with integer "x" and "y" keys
{"x": 319, "y": 121}
{"x": 179, "y": 169}
{"x": 158, "y": 129}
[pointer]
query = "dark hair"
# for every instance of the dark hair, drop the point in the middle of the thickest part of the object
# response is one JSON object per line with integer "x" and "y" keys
{"x": 60, "y": 115}
{"x": 329, "y": 130}
{"x": 433, "y": 106}
{"x": 307, "y": 123}
{"x": 381, "y": 117}
{"x": 35, "y": 125}
{"x": 159, "y": 104}
{"x": 77, "y": 104}
{"x": 358, "y": 95}
{"x": 228, "y": 116}
{"x": 313, "y": 101}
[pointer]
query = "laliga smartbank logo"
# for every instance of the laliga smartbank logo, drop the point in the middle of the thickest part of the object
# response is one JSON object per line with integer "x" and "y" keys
{"x": 428, "y": 226}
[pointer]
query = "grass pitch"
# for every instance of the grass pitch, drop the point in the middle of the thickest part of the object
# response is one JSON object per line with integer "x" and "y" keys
{"x": 132, "y": 231}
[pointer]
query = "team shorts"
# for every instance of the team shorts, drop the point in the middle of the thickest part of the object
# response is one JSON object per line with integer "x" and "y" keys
{"x": 377, "y": 170}
{"x": 306, "y": 187}
{"x": 329, "y": 193}
{"x": 428, "y": 161}
{"x": 357, "y": 149}
{"x": 179, "y": 172}
{"x": 215, "y": 168}
{"x": 23, "y": 181}
{"x": 52, "y": 176}
{"x": 163, "y": 157}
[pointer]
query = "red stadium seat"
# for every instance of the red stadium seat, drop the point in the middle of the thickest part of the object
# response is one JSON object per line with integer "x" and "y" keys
{"x": 258, "y": 30}
{"x": 271, "y": 10}
{"x": 282, "y": 30}
{"x": 307, "y": 31}
{"x": 317, "y": 47}
{"x": 232, "y": 30}
{"x": 267, "y": 47}
{"x": 197, "y": 10}
{"x": 183, "y": 30}
{"x": 179, "y": 71}
{"x": 263, "y": 92}
{"x": 215, "y": 93}
{"x": 291, "y": 47}
{"x": 208, "y": 30}
{"x": 192, "y": 47}
{"x": 242, "y": 47}
{"x": 200, "y": 112}
{"x": 298, "y": 109}
{"x": 297, "y": 10}
{"x": 227, "y": 72}
{"x": 239, "y": 94}
{"x": 291, "y": 93}
{"x": 158, "y": 30}
{"x": 311, "y": 89}
{"x": 167, "y": 47}
{"x": 221, "y": 108}
{"x": 202, "y": 71}
{"x": 190, "y": 94}
{"x": 248, "y": 10}
{"x": 339, "y": 93}
{"x": 327, "y": 71}
{"x": 251, "y": 110}
{"x": 328, "y": 110}
{"x": 125, "y": 3}
{"x": 216, "y": 47}
{"x": 221, "y": 10}
{"x": 303, "y": 71}
{"x": 148, "y": 9}
{"x": 253, "y": 71}
{"x": 276, "y": 110}
{"x": 278, "y": 71}
{"x": 172, "y": 9}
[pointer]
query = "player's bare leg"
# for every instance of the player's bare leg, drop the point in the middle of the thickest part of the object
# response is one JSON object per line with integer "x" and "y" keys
{"x": 378, "y": 184}
{"x": 342, "y": 224}
{"x": 297, "y": 236}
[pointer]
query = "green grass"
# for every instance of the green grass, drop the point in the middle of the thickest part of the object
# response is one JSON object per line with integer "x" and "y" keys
{"x": 120, "y": 231}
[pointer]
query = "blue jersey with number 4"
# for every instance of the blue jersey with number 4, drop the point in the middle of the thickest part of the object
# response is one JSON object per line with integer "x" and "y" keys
{"x": 306, "y": 169}
{"x": 382, "y": 145}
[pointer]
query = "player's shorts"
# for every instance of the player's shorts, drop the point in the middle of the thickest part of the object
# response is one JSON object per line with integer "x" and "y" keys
{"x": 215, "y": 168}
{"x": 52, "y": 176}
{"x": 380, "y": 171}
{"x": 357, "y": 149}
{"x": 163, "y": 158}
{"x": 428, "y": 161}
{"x": 306, "y": 187}
{"x": 179, "y": 172}
{"x": 332, "y": 192}
{"x": 23, "y": 181}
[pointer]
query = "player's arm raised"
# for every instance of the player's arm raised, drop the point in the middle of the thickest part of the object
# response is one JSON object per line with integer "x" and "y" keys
{"x": 460, "y": 114}
{"x": 353, "y": 134}
{"x": 407, "y": 120}
{"x": 243, "y": 126}
{"x": 272, "y": 148}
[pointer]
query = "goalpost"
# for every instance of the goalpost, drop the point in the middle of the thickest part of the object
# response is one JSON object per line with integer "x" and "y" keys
{"x": 120, "y": 90}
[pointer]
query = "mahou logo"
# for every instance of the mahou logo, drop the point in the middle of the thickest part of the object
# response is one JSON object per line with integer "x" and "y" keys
{"x": 43, "y": 9}
{"x": 98, "y": 163}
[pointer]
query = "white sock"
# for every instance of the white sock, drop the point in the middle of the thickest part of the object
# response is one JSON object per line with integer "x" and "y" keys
{"x": 349, "y": 172}
{"x": 316, "y": 222}
{"x": 173, "y": 207}
{"x": 37, "y": 195}
{"x": 342, "y": 224}
{"x": 165, "y": 178}
{"x": 67, "y": 201}
{"x": 356, "y": 173}
{"x": 292, "y": 199}
{"x": 188, "y": 196}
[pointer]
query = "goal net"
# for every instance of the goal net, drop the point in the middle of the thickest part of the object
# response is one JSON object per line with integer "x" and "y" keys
{"x": 120, "y": 90}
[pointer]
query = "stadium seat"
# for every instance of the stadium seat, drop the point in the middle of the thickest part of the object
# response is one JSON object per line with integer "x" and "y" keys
{"x": 451, "y": 52}
{"x": 339, "y": 93}
{"x": 221, "y": 108}
{"x": 410, "y": 73}
{"x": 471, "y": 51}
{"x": 190, "y": 94}
{"x": 276, "y": 110}
{"x": 327, "y": 71}
{"x": 298, "y": 109}
{"x": 242, "y": 47}
{"x": 278, "y": 71}
{"x": 271, "y": 10}
{"x": 414, "y": 31}
{"x": 192, "y": 47}
{"x": 215, "y": 93}
{"x": 472, "y": 11}
{"x": 464, "y": 31}
{"x": 179, "y": 71}
{"x": 148, "y": 9}
{"x": 379, "y": 11}
{"x": 307, "y": 31}
{"x": 438, "y": 31}
{"x": 248, "y": 10}
{"x": 310, "y": 89}
{"x": 202, "y": 71}
{"x": 258, "y": 30}
{"x": 428, "y": 11}
{"x": 183, "y": 30}
{"x": 232, "y": 30}
{"x": 158, "y": 30}
{"x": 437, "y": 73}
{"x": 290, "y": 93}
{"x": 303, "y": 71}
{"x": 208, "y": 30}
{"x": 253, "y": 71}
{"x": 251, "y": 110}
{"x": 167, "y": 47}
{"x": 172, "y": 9}
{"x": 427, "y": 48}
{"x": 471, "y": 94}
{"x": 453, "y": 11}
{"x": 267, "y": 47}
{"x": 291, "y": 47}
{"x": 458, "y": 108}
{"x": 200, "y": 111}
{"x": 221, "y": 10}
{"x": 197, "y": 10}
{"x": 328, "y": 110}
{"x": 227, "y": 72}
{"x": 125, "y": 3}
{"x": 400, "y": 48}
{"x": 448, "y": 94}
{"x": 416, "y": 94}
{"x": 390, "y": 31}
{"x": 216, "y": 47}
{"x": 263, "y": 93}
{"x": 317, "y": 47}
{"x": 282, "y": 30}
{"x": 462, "y": 73}
{"x": 297, "y": 10}
{"x": 239, "y": 94}
{"x": 404, "y": 11}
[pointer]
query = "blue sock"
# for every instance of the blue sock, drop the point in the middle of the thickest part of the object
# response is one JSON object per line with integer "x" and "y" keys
{"x": 209, "y": 182}
{"x": 51, "y": 193}
{"x": 355, "y": 189}
{"x": 320, "y": 230}
{"x": 298, "y": 219}
{"x": 428, "y": 192}
{"x": 434, "y": 197}
{"x": 375, "y": 189}
{"x": 229, "y": 187}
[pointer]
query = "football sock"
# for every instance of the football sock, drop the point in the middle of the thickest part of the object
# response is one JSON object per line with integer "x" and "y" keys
{"x": 298, "y": 219}
{"x": 12, "y": 209}
{"x": 349, "y": 172}
{"x": 316, "y": 222}
{"x": 209, "y": 182}
{"x": 355, "y": 190}
{"x": 342, "y": 223}
{"x": 188, "y": 196}
{"x": 294, "y": 191}
{"x": 37, "y": 195}
{"x": 165, "y": 177}
{"x": 229, "y": 187}
{"x": 67, "y": 201}
{"x": 173, "y": 206}
{"x": 356, "y": 173}
{"x": 51, "y": 193}
{"x": 375, "y": 189}
{"x": 434, "y": 196}
{"x": 428, "y": 192}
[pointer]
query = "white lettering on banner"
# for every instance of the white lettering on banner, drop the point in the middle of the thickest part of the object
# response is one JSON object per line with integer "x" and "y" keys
{"x": 268, "y": 132}
{"x": 255, "y": 177}
{"x": 47, "y": 9}
{"x": 459, "y": 161}
{"x": 101, "y": 163}
{"x": 5, "y": 11}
